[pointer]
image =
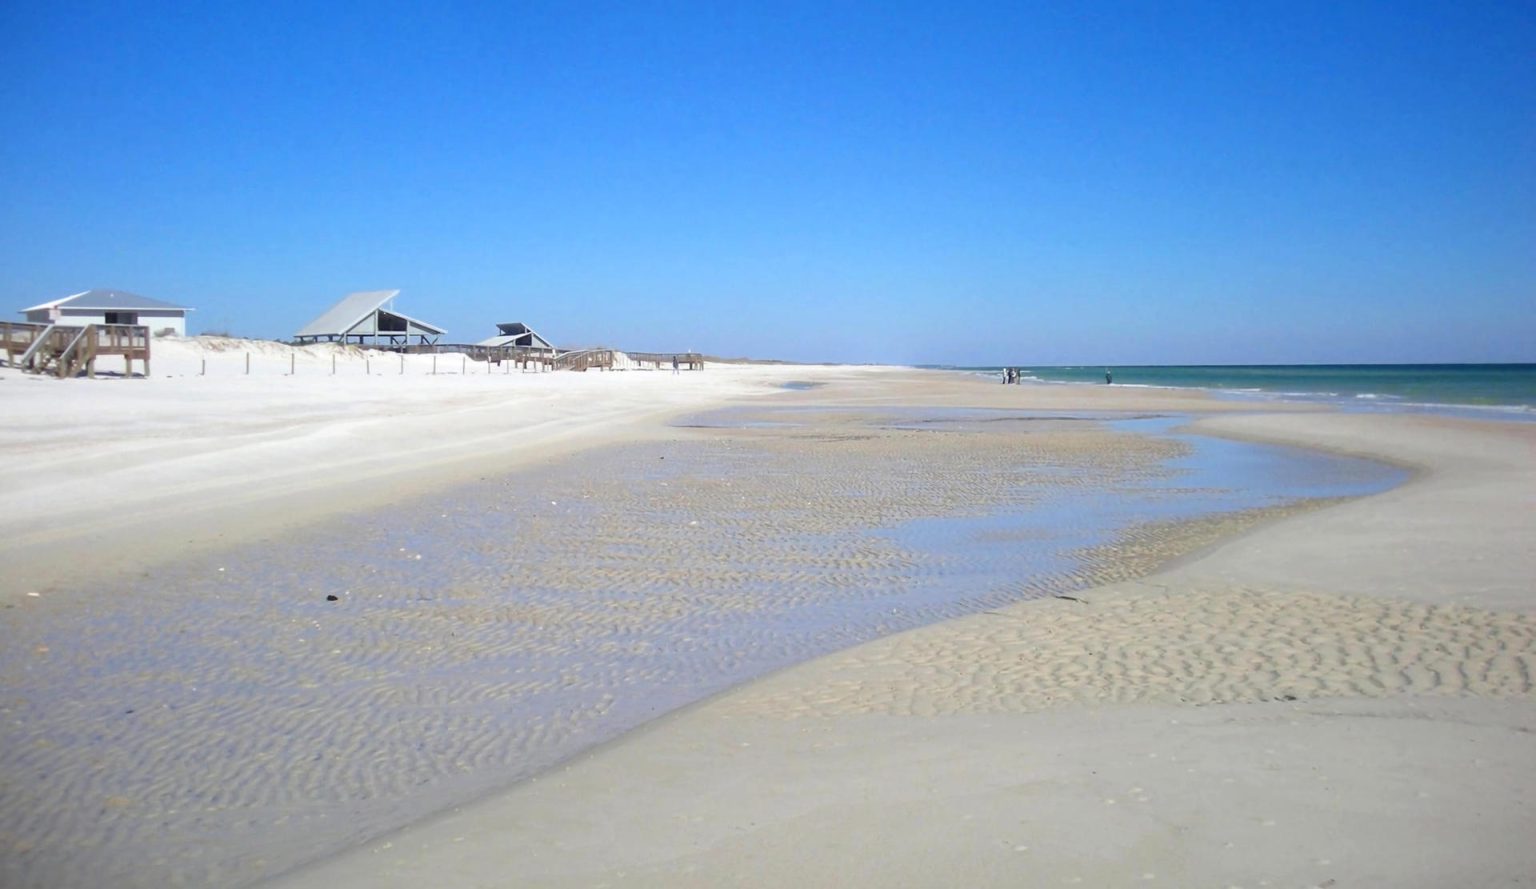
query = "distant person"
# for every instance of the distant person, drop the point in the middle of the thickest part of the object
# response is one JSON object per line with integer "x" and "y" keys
{"x": 674, "y": 364}
{"x": 1108, "y": 377}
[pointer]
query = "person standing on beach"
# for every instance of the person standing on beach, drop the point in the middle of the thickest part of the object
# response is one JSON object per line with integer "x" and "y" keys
{"x": 1108, "y": 377}
{"x": 674, "y": 365}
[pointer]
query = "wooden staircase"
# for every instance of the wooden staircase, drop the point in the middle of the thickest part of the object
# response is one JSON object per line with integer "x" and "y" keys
{"x": 66, "y": 352}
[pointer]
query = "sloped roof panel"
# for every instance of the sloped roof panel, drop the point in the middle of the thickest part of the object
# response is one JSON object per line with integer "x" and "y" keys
{"x": 416, "y": 322}
{"x": 342, "y": 317}
{"x": 511, "y": 331}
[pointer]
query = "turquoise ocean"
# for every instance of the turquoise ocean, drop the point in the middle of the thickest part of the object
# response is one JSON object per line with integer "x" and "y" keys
{"x": 1490, "y": 390}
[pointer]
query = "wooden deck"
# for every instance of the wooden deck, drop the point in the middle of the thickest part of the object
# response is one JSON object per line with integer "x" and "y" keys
{"x": 68, "y": 351}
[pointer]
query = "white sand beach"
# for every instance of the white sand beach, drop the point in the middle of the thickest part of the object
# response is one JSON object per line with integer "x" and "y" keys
{"x": 141, "y": 470}
{"x": 1340, "y": 696}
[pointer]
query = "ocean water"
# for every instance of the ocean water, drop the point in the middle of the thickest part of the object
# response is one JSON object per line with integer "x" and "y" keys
{"x": 1474, "y": 389}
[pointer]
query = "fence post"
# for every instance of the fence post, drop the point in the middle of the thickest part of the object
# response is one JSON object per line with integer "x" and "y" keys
{"x": 247, "y": 363}
{"x": 333, "y": 364}
{"x": 434, "y": 364}
{"x": 464, "y": 366}
{"x": 291, "y": 359}
{"x": 205, "y": 368}
{"x": 368, "y": 366}
{"x": 402, "y": 364}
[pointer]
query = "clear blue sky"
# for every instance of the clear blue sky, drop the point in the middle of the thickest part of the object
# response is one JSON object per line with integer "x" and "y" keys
{"x": 1109, "y": 183}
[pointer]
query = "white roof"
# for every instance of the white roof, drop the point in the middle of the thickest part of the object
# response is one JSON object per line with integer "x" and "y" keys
{"x": 539, "y": 342}
{"x": 512, "y": 331}
{"x": 108, "y": 300}
{"x": 353, "y": 308}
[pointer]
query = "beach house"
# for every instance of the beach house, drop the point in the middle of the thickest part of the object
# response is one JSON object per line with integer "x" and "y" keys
{"x": 368, "y": 318}
{"x": 111, "y": 307}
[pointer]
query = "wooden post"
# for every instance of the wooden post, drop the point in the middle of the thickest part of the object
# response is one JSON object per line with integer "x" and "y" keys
{"x": 434, "y": 364}
{"x": 464, "y": 366}
{"x": 402, "y": 364}
{"x": 333, "y": 364}
{"x": 368, "y": 366}
{"x": 205, "y": 368}
{"x": 247, "y": 363}
{"x": 291, "y": 359}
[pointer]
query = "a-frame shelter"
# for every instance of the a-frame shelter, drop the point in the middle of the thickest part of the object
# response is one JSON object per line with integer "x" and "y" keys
{"x": 368, "y": 318}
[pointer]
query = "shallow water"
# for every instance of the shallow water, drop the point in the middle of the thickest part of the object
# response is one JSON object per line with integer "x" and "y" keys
{"x": 221, "y": 720}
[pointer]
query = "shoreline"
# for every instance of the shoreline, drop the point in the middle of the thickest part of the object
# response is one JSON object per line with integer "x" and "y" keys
{"x": 813, "y": 769}
{"x": 1518, "y": 406}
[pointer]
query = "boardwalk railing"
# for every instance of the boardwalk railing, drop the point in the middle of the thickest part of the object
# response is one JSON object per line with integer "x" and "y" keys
{"x": 67, "y": 351}
{"x": 585, "y": 359}
{"x": 551, "y": 359}
{"x": 521, "y": 356}
{"x": 690, "y": 360}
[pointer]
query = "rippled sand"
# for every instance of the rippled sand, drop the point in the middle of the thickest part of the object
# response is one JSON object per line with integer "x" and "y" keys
{"x": 224, "y": 719}
{"x": 1342, "y": 697}
{"x": 1220, "y": 646}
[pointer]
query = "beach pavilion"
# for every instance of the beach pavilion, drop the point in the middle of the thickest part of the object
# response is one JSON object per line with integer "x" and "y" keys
{"x": 111, "y": 307}
{"x": 368, "y": 318}
{"x": 515, "y": 334}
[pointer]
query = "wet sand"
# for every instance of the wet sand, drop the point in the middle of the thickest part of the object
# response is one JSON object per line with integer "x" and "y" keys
{"x": 325, "y": 687}
{"x": 1340, "y": 697}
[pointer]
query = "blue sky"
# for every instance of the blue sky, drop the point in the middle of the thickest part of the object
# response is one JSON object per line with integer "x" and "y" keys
{"x": 1105, "y": 183}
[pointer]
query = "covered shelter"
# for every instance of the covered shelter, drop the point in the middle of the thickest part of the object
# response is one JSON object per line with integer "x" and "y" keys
{"x": 368, "y": 318}
{"x": 114, "y": 307}
{"x": 515, "y": 334}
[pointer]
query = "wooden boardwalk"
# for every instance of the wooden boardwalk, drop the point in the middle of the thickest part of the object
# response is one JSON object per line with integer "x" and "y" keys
{"x": 68, "y": 351}
{"x": 550, "y": 359}
{"x": 522, "y": 357}
{"x": 689, "y": 360}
